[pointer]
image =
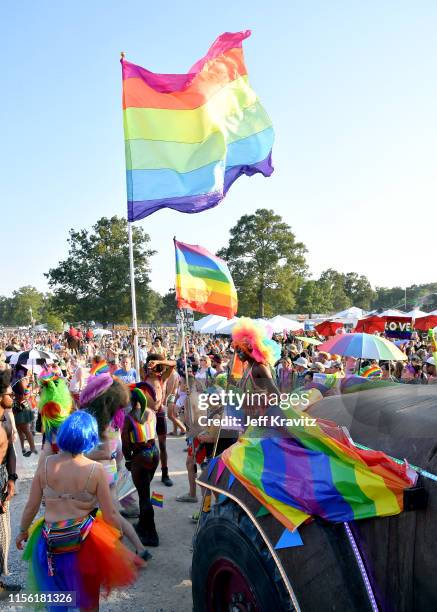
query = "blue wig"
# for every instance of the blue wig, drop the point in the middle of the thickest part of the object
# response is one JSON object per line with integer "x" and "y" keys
{"x": 78, "y": 433}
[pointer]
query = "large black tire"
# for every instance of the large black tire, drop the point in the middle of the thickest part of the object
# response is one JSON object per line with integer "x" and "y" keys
{"x": 228, "y": 539}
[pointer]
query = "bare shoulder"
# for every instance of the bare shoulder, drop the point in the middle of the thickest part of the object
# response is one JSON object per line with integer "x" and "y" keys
{"x": 261, "y": 370}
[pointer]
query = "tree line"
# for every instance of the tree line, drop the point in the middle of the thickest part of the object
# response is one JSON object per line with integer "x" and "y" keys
{"x": 267, "y": 263}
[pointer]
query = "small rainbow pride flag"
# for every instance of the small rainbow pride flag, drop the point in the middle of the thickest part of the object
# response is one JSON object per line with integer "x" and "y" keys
{"x": 203, "y": 281}
{"x": 157, "y": 499}
{"x": 100, "y": 368}
{"x": 188, "y": 137}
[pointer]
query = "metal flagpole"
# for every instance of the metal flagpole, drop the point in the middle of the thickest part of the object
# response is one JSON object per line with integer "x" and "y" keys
{"x": 132, "y": 287}
{"x": 134, "y": 301}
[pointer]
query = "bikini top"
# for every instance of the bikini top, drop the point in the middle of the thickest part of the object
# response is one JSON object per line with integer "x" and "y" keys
{"x": 83, "y": 496}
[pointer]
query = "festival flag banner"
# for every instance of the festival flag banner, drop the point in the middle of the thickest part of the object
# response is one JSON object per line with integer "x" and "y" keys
{"x": 315, "y": 470}
{"x": 289, "y": 539}
{"x": 188, "y": 137}
{"x": 398, "y": 327}
{"x": 157, "y": 499}
{"x": 203, "y": 281}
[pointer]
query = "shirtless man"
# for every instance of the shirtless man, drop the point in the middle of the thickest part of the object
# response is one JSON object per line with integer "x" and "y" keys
{"x": 7, "y": 478}
{"x": 158, "y": 371}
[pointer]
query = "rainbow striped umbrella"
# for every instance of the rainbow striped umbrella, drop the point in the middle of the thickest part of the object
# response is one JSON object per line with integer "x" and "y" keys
{"x": 363, "y": 346}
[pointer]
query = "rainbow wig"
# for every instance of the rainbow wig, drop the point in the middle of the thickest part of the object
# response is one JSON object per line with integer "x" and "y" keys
{"x": 252, "y": 338}
{"x": 55, "y": 403}
{"x": 141, "y": 393}
{"x": 78, "y": 434}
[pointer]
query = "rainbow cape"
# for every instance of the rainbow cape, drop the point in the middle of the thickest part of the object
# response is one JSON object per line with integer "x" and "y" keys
{"x": 316, "y": 471}
{"x": 203, "y": 281}
{"x": 188, "y": 137}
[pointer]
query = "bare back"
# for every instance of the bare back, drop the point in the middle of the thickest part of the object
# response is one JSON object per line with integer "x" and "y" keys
{"x": 69, "y": 486}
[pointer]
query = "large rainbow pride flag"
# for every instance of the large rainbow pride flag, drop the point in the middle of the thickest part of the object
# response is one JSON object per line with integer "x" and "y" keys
{"x": 305, "y": 470}
{"x": 188, "y": 137}
{"x": 203, "y": 281}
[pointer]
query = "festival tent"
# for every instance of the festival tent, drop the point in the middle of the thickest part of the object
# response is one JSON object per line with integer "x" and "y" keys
{"x": 415, "y": 313}
{"x": 101, "y": 332}
{"x": 393, "y": 313}
{"x": 349, "y": 314}
{"x": 226, "y": 326}
{"x": 280, "y": 323}
{"x": 207, "y": 321}
{"x": 209, "y": 328}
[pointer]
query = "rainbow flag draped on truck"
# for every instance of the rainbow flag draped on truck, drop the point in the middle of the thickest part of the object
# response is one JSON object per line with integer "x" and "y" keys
{"x": 203, "y": 281}
{"x": 305, "y": 470}
{"x": 188, "y": 137}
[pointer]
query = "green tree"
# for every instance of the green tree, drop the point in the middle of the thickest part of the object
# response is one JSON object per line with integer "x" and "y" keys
{"x": 313, "y": 299}
{"x": 333, "y": 286}
{"x": 266, "y": 263}
{"x": 53, "y": 322}
{"x": 25, "y": 306}
{"x": 93, "y": 282}
{"x": 359, "y": 290}
{"x": 168, "y": 308}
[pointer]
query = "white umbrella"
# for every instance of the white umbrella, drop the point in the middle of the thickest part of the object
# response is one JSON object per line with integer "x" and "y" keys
{"x": 280, "y": 323}
{"x": 29, "y": 358}
{"x": 102, "y": 332}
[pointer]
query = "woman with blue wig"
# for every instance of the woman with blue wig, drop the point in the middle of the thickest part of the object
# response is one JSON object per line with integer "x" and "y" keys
{"x": 73, "y": 548}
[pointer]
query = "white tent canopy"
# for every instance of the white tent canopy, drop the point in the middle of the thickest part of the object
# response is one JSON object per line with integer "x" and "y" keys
{"x": 226, "y": 326}
{"x": 280, "y": 323}
{"x": 416, "y": 313}
{"x": 206, "y": 322}
{"x": 393, "y": 313}
{"x": 102, "y": 332}
{"x": 350, "y": 313}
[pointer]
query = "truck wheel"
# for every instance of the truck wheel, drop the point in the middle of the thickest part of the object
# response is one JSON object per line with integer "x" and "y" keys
{"x": 232, "y": 569}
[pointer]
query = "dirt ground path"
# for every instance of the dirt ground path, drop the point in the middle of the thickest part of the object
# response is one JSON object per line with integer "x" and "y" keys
{"x": 165, "y": 585}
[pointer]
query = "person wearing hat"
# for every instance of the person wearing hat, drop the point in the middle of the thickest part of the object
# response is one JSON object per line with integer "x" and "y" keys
{"x": 430, "y": 369}
{"x": 301, "y": 368}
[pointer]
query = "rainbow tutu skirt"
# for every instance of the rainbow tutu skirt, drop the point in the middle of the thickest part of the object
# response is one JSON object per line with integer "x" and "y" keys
{"x": 101, "y": 564}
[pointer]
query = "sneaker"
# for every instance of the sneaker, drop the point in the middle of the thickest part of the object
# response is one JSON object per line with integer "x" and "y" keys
{"x": 167, "y": 481}
{"x": 27, "y": 453}
{"x": 145, "y": 555}
{"x": 187, "y": 498}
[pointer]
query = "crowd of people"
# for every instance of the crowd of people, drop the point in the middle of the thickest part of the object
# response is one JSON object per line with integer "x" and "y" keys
{"x": 104, "y": 423}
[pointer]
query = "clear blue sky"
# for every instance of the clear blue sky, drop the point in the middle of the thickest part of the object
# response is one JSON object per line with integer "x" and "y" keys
{"x": 350, "y": 86}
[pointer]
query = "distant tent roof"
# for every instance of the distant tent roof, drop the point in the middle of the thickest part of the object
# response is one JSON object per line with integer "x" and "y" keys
{"x": 207, "y": 321}
{"x": 280, "y": 323}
